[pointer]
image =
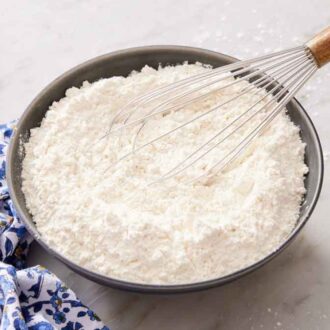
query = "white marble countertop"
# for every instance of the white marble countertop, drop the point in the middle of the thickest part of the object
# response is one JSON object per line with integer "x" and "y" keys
{"x": 41, "y": 39}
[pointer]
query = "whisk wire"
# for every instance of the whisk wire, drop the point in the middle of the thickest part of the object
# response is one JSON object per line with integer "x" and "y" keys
{"x": 143, "y": 99}
{"x": 276, "y": 77}
{"x": 255, "y": 72}
{"x": 165, "y": 176}
{"x": 258, "y": 83}
{"x": 257, "y": 131}
{"x": 243, "y": 92}
{"x": 281, "y": 93}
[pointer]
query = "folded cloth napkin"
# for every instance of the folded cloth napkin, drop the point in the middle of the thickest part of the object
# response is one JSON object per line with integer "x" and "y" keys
{"x": 31, "y": 298}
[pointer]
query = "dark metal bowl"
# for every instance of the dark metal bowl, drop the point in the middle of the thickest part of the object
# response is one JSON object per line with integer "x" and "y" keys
{"x": 122, "y": 63}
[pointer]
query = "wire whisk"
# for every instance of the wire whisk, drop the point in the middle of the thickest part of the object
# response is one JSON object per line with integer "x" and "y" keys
{"x": 279, "y": 76}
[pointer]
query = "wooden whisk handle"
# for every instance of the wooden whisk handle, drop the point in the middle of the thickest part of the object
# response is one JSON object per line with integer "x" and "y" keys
{"x": 320, "y": 47}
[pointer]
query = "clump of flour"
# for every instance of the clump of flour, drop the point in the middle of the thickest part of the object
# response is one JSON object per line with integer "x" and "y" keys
{"x": 98, "y": 212}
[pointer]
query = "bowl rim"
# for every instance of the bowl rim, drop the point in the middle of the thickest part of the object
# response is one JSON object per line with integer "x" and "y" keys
{"x": 142, "y": 287}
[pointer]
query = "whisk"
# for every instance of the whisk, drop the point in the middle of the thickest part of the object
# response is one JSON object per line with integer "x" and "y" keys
{"x": 280, "y": 75}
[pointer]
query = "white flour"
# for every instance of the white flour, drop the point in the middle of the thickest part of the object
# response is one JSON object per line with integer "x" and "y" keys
{"x": 100, "y": 217}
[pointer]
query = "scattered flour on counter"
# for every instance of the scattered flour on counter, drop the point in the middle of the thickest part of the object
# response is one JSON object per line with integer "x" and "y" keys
{"x": 169, "y": 233}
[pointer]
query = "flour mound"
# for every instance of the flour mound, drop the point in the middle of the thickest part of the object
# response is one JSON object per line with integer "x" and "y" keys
{"x": 99, "y": 213}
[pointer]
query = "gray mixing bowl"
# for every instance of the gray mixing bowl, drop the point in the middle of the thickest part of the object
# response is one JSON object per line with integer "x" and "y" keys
{"x": 122, "y": 63}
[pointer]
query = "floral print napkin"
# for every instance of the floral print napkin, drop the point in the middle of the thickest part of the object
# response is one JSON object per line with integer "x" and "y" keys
{"x": 31, "y": 298}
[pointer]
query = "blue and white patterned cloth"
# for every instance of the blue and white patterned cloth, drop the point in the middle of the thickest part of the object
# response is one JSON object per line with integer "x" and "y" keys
{"x": 31, "y": 298}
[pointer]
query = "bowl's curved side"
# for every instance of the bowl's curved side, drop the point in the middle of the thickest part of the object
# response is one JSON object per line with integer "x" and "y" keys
{"x": 122, "y": 63}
